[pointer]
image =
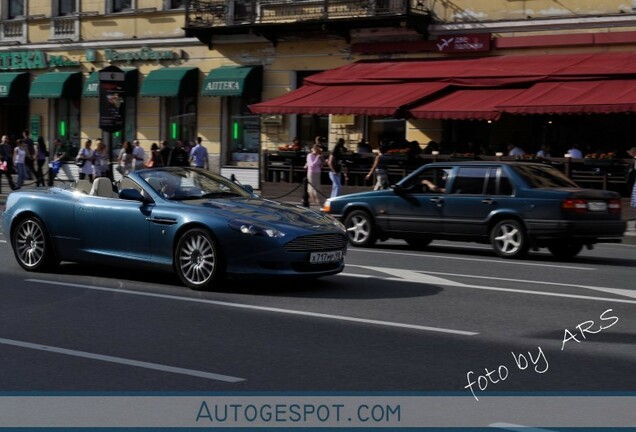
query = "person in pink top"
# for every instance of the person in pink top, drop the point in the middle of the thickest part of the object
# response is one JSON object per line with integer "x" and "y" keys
{"x": 314, "y": 164}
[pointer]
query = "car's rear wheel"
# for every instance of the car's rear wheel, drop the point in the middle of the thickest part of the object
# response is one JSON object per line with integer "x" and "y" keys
{"x": 565, "y": 250}
{"x": 508, "y": 239}
{"x": 197, "y": 259}
{"x": 360, "y": 229}
{"x": 32, "y": 246}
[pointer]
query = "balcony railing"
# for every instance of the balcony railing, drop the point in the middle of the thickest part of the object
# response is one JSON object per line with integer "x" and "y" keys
{"x": 65, "y": 28}
{"x": 211, "y": 13}
{"x": 13, "y": 31}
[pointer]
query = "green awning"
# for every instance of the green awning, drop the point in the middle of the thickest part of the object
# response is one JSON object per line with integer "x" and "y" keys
{"x": 171, "y": 82}
{"x": 52, "y": 85}
{"x": 14, "y": 84}
{"x": 91, "y": 85}
{"x": 233, "y": 81}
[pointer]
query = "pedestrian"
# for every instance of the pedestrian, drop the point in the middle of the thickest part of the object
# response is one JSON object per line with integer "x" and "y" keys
{"x": 515, "y": 150}
{"x": 59, "y": 163}
{"x": 31, "y": 155}
{"x": 19, "y": 158}
{"x": 180, "y": 157}
{"x": 574, "y": 152}
{"x": 100, "y": 159}
{"x": 314, "y": 165}
{"x": 41, "y": 155}
{"x": 334, "y": 162}
{"x": 125, "y": 159}
{"x": 165, "y": 153}
{"x": 199, "y": 155}
{"x": 6, "y": 162}
{"x": 84, "y": 161}
{"x": 139, "y": 155}
{"x": 379, "y": 167}
{"x": 154, "y": 161}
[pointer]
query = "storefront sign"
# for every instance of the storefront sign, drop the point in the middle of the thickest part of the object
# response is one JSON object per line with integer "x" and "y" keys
{"x": 15, "y": 60}
{"x": 233, "y": 86}
{"x": 464, "y": 43}
{"x": 144, "y": 54}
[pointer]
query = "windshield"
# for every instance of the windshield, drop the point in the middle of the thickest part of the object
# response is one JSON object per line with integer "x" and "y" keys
{"x": 188, "y": 184}
{"x": 537, "y": 176}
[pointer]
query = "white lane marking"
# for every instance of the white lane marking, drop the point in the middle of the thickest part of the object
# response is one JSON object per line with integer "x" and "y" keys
{"x": 263, "y": 308}
{"x": 412, "y": 276}
{"x": 446, "y": 257}
{"x": 617, "y": 291}
{"x": 119, "y": 360}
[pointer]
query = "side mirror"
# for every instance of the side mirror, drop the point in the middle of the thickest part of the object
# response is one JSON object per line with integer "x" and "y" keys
{"x": 398, "y": 189}
{"x": 131, "y": 195}
{"x": 248, "y": 188}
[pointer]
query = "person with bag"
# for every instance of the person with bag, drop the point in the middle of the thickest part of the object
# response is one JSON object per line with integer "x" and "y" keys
{"x": 155, "y": 160}
{"x": 84, "y": 160}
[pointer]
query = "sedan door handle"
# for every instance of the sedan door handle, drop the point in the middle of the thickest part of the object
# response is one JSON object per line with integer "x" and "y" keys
{"x": 488, "y": 201}
{"x": 438, "y": 201}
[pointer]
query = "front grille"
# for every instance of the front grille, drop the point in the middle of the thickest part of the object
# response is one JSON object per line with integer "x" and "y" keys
{"x": 317, "y": 242}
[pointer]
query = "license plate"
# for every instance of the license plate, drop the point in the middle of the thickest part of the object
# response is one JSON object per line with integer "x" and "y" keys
{"x": 597, "y": 206}
{"x": 325, "y": 257}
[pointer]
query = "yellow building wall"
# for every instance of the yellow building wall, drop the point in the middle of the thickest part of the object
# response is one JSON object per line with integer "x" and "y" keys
{"x": 492, "y": 10}
{"x": 209, "y": 123}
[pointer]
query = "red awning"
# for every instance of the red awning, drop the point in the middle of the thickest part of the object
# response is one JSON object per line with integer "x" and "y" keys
{"x": 575, "y": 97}
{"x": 374, "y": 100}
{"x": 478, "y": 104}
{"x": 485, "y": 71}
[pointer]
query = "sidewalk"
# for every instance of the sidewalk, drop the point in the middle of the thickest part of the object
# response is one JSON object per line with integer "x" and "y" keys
{"x": 293, "y": 193}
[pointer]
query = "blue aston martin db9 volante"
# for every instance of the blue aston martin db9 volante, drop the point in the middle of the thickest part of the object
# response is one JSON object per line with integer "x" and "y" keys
{"x": 198, "y": 224}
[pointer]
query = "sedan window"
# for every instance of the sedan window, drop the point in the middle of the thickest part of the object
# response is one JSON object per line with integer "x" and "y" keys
{"x": 542, "y": 176}
{"x": 470, "y": 180}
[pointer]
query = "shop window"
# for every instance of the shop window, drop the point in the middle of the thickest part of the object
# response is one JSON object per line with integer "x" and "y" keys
{"x": 243, "y": 132}
{"x": 115, "y": 6}
{"x": 173, "y": 4}
{"x": 67, "y": 123}
{"x": 310, "y": 126}
{"x": 180, "y": 118}
{"x": 12, "y": 9}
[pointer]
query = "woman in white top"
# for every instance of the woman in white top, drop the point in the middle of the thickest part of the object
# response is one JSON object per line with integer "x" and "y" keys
{"x": 85, "y": 161}
{"x": 19, "y": 157}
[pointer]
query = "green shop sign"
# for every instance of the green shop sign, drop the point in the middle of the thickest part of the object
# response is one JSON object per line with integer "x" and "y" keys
{"x": 144, "y": 54}
{"x": 15, "y": 60}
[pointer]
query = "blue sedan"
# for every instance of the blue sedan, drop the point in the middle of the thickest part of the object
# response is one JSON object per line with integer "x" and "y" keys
{"x": 198, "y": 224}
{"x": 514, "y": 206}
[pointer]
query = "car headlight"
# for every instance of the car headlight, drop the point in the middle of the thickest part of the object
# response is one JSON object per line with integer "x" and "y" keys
{"x": 249, "y": 228}
{"x": 336, "y": 222}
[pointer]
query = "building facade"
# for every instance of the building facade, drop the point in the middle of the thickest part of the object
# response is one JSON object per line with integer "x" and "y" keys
{"x": 203, "y": 67}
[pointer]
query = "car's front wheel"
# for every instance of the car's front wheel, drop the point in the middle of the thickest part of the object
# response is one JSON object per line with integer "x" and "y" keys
{"x": 360, "y": 229}
{"x": 32, "y": 246}
{"x": 508, "y": 239}
{"x": 565, "y": 250}
{"x": 197, "y": 259}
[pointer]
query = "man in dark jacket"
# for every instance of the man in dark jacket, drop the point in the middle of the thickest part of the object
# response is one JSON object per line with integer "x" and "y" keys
{"x": 6, "y": 161}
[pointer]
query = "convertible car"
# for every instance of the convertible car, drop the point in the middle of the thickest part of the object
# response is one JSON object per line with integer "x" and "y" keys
{"x": 201, "y": 225}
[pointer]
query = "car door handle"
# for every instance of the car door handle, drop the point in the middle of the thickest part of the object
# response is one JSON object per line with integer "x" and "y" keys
{"x": 438, "y": 201}
{"x": 488, "y": 201}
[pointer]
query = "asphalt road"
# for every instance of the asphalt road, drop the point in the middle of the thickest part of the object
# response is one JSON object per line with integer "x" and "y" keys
{"x": 395, "y": 320}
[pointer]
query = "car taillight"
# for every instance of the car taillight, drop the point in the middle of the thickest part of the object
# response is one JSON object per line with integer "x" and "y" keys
{"x": 574, "y": 205}
{"x": 614, "y": 206}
